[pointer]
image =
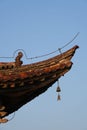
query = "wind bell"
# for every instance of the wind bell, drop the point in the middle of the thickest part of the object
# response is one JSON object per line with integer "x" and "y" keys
{"x": 58, "y": 90}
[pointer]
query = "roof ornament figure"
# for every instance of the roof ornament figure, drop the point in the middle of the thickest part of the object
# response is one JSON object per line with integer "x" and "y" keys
{"x": 18, "y": 61}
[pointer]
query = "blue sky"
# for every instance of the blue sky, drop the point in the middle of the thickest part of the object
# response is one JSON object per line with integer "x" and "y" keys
{"x": 40, "y": 27}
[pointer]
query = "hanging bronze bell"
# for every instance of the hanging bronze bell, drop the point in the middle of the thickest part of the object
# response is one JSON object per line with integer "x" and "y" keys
{"x": 58, "y": 89}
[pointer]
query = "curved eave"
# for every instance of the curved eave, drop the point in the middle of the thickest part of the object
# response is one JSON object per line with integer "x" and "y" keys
{"x": 20, "y": 85}
{"x": 9, "y": 78}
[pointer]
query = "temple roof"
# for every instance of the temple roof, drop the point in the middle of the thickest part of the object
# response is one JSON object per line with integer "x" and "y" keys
{"x": 19, "y": 83}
